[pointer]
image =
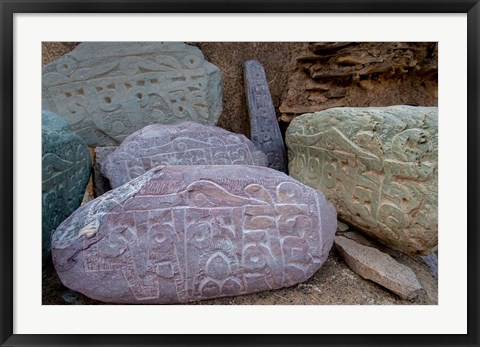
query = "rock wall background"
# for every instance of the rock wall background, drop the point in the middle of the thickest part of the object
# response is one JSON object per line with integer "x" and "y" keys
{"x": 277, "y": 60}
{"x": 307, "y": 77}
{"x": 338, "y": 74}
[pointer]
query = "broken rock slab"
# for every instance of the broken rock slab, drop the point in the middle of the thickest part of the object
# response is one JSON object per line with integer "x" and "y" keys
{"x": 377, "y": 165}
{"x": 187, "y": 233}
{"x": 108, "y": 90}
{"x": 188, "y": 143}
{"x": 265, "y": 131}
{"x": 65, "y": 173}
{"x": 379, "y": 267}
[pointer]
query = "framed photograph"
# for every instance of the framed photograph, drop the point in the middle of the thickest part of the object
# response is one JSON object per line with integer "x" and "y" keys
{"x": 370, "y": 108}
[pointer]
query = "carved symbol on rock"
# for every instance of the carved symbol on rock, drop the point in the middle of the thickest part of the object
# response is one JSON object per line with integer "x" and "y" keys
{"x": 185, "y": 144}
{"x": 380, "y": 167}
{"x": 177, "y": 241}
{"x": 106, "y": 97}
{"x": 266, "y": 134}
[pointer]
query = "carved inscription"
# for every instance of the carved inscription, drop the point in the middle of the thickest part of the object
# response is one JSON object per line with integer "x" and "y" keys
{"x": 265, "y": 131}
{"x": 65, "y": 173}
{"x": 188, "y": 143}
{"x": 106, "y": 91}
{"x": 378, "y": 166}
{"x": 179, "y": 241}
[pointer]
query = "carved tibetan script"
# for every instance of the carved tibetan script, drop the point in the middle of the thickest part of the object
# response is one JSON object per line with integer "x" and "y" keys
{"x": 377, "y": 165}
{"x": 214, "y": 234}
{"x": 106, "y": 91}
{"x": 182, "y": 144}
{"x": 65, "y": 173}
{"x": 266, "y": 135}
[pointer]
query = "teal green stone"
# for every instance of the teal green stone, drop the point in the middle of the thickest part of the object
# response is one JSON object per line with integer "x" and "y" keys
{"x": 65, "y": 172}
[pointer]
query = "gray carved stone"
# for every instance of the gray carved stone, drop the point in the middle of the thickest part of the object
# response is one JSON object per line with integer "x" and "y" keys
{"x": 188, "y": 143}
{"x": 378, "y": 166}
{"x": 65, "y": 173}
{"x": 187, "y": 233}
{"x": 265, "y": 132}
{"x": 108, "y": 90}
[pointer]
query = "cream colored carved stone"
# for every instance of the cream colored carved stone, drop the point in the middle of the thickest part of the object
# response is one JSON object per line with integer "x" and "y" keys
{"x": 378, "y": 166}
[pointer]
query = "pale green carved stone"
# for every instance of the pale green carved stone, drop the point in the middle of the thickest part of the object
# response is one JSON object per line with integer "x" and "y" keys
{"x": 377, "y": 166}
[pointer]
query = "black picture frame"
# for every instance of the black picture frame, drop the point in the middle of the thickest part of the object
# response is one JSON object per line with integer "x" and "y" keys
{"x": 8, "y": 8}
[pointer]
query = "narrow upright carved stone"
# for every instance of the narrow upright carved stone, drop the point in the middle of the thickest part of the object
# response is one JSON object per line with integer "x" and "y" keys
{"x": 265, "y": 131}
{"x": 65, "y": 173}
{"x": 108, "y": 90}
{"x": 187, "y": 233}
{"x": 378, "y": 166}
{"x": 183, "y": 144}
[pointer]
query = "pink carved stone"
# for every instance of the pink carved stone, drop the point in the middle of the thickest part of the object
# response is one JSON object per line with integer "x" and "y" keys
{"x": 186, "y": 233}
{"x": 188, "y": 143}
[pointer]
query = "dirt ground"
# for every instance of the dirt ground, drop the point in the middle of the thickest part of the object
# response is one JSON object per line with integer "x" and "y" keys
{"x": 333, "y": 284}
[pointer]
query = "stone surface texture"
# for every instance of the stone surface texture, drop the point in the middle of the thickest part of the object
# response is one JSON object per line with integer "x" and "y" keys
{"x": 378, "y": 167}
{"x": 361, "y": 74}
{"x": 342, "y": 226}
{"x": 101, "y": 184}
{"x": 108, "y": 90}
{"x": 265, "y": 131}
{"x": 184, "y": 144}
{"x": 379, "y": 267}
{"x": 65, "y": 173}
{"x": 187, "y": 233}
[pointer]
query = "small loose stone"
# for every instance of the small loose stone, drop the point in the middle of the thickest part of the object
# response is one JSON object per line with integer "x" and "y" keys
{"x": 342, "y": 226}
{"x": 379, "y": 267}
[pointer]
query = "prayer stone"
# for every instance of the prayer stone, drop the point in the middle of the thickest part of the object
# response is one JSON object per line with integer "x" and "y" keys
{"x": 187, "y": 233}
{"x": 378, "y": 167}
{"x": 108, "y": 90}
{"x": 265, "y": 132}
{"x": 188, "y": 143}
